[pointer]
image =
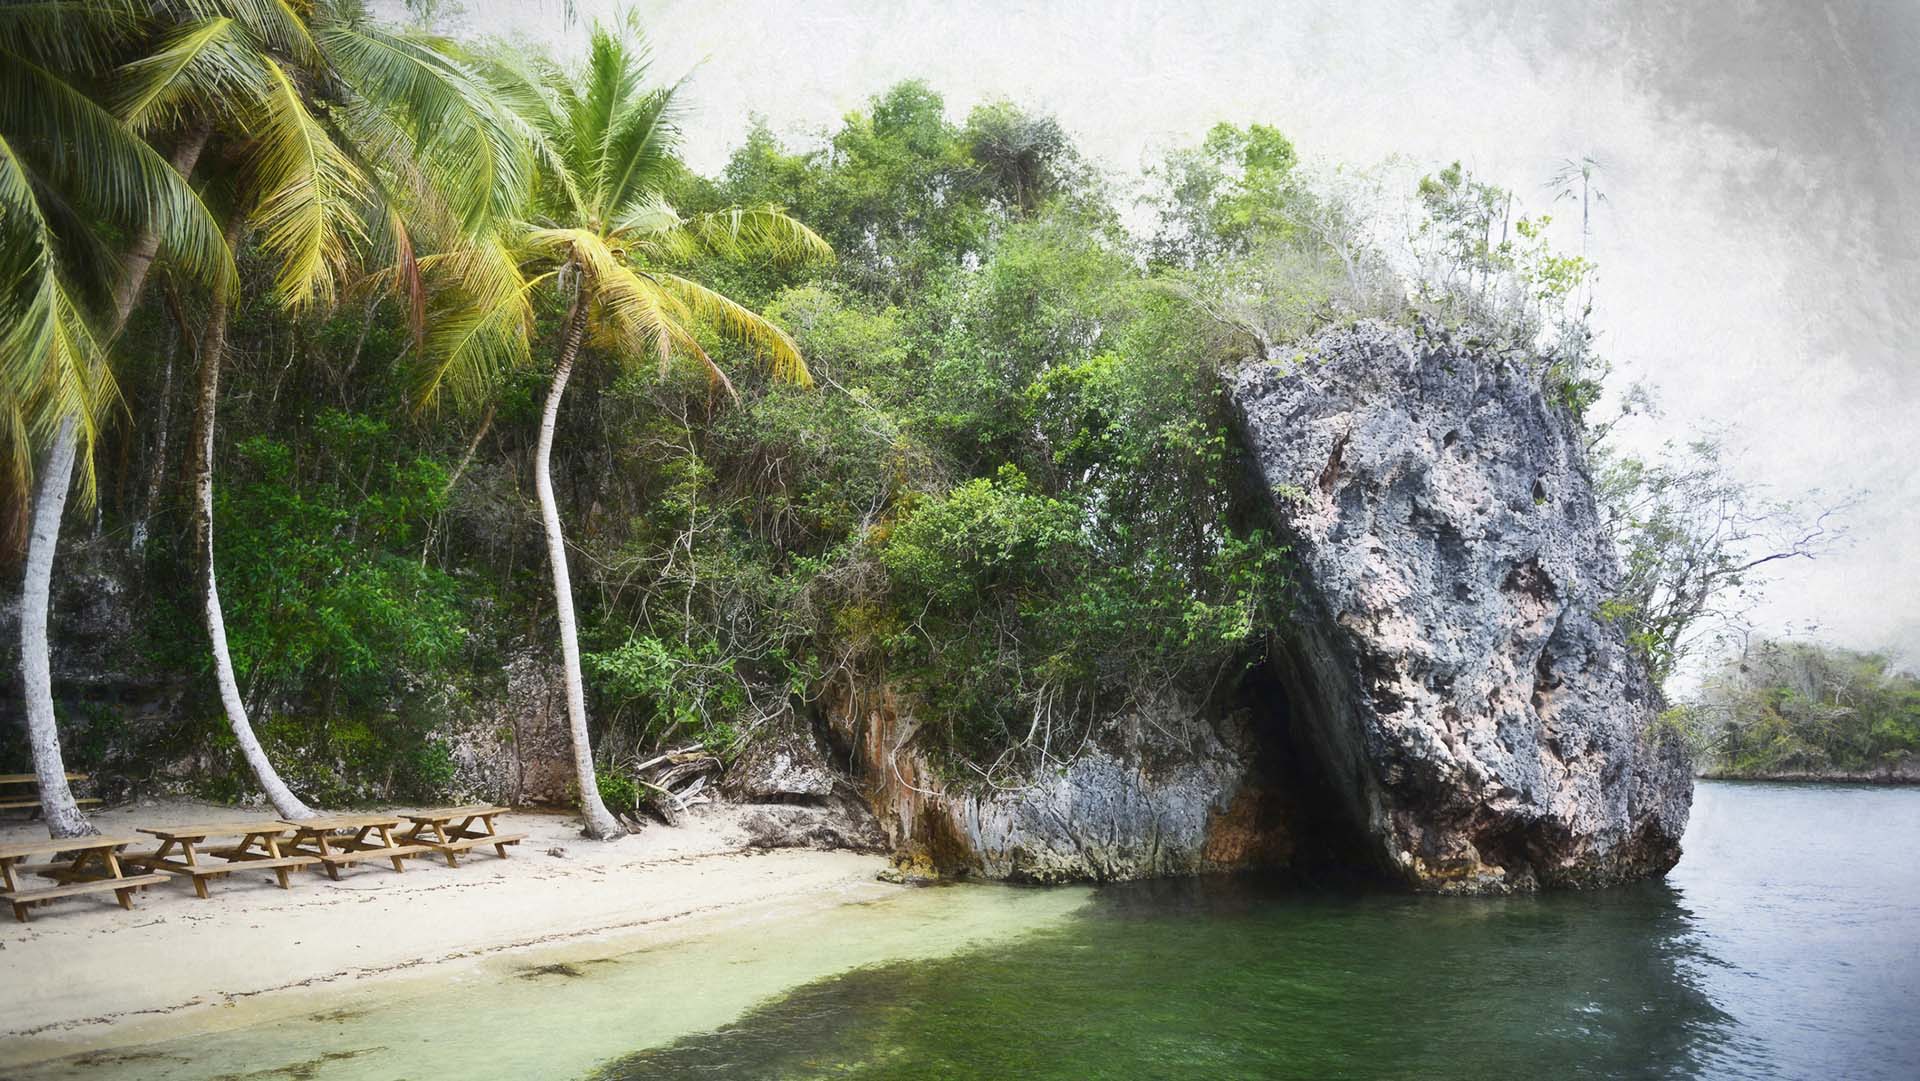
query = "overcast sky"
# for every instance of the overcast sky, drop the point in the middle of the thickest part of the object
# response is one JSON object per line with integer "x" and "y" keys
{"x": 1759, "y": 250}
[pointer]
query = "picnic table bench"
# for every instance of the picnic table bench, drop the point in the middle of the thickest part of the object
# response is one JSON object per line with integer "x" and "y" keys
{"x": 321, "y": 839}
{"x": 449, "y": 840}
{"x": 258, "y": 850}
{"x": 11, "y": 801}
{"x": 73, "y": 876}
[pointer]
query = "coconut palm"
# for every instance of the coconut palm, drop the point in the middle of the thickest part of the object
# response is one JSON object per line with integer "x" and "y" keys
{"x": 407, "y": 135}
{"x": 71, "y": 175}
{"x": 597, "y": 245}
{"x": 409, "y": 141}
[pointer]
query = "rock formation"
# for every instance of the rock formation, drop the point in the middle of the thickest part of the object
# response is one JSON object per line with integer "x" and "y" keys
{"x": 520, "y": 751}
{"x": 1487, "y": 728}
{"x": 1447, "y": 680}
{"x": 1158, "y": 791}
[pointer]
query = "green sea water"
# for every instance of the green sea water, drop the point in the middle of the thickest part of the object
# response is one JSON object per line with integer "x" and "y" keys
{"x": 1785, "y": 945}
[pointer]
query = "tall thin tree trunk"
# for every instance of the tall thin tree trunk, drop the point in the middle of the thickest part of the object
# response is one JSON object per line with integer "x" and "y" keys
{"x": 599, "y": 822}
{"x": 36, "y": 672}
{"x": 36, "y": 589}
{"x": 213, "y": 345}
{"x": 157, "y": 463}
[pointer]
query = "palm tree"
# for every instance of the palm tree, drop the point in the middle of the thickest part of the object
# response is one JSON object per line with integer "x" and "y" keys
{"x": 408, "y": 140}
{"x": 597, "y": 243}
{"x": 431, "y": 145}
{"x": 69, "y": 173}
{"x": 1579, "y": 180}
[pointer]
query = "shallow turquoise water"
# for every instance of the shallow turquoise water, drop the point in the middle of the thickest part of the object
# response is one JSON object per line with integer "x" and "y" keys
{"x": 1786, "y": 945}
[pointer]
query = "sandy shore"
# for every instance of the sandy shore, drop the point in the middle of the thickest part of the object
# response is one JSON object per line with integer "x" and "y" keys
{"x": 86, "y": 974}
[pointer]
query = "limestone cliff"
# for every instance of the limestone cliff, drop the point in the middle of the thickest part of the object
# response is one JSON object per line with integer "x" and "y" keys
{"x": 1447, "y": 679}
{"x": 1488, "y": 728}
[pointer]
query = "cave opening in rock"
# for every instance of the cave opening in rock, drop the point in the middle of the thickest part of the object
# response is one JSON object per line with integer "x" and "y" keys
{"x": 1306, "y": 821}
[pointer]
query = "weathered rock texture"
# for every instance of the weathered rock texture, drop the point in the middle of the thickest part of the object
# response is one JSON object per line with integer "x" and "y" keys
{"x": 1159, "y": 791}
{"x": 521, "y": 751}
{"x": 783, "y": 764}
{"x": 804, "y": 802}
{"x": 104, "y": 685}
{"x": 1488, "y": 729}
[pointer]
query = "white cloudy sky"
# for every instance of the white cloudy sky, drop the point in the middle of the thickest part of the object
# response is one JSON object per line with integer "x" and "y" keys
{"x": 1760, "y": 250}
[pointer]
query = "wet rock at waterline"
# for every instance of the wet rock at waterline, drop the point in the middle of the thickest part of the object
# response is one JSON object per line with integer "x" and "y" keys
{"x": 1485, "y": 727}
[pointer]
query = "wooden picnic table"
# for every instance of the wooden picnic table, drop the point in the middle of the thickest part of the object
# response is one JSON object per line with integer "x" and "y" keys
{"x": 321, "y": 838}
{"x": 72, "y": 876}
{"x": 12, "y": 802}
{"x": 449, "y": 840}
{"x": 258, "y": 850}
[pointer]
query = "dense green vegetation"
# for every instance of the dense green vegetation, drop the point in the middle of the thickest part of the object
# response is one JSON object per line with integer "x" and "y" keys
{"x": 1804, "y": 709}
{"x": 980, "y": 450}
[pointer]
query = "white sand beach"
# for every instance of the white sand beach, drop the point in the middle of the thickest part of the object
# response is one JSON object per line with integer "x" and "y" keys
{"x": 84, "y": 974}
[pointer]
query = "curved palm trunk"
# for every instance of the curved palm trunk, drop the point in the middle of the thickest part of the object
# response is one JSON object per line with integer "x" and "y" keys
{"x": 36, "y": 588}
{"x": 598, "y": 821}
{"x": 36, "y": 670}
{"x": 213, "y": 346}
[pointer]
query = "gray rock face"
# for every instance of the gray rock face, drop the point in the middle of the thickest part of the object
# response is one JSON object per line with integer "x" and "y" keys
{"x": 845, "y": 825}
{"x": 520, "y": 751}
{"x": 1161, "y": 792}
{"x": 781, "y": 763}
{"x": 1488, "y": 729}
{"x": 1110, "y": 816}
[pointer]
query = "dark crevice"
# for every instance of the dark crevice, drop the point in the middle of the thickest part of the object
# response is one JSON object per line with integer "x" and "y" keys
{"x": 1331, "y": 474}
{"x": 1299, "y": 794}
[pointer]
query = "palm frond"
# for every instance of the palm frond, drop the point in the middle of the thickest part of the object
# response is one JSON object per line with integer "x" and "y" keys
{"x": 199, "y": 66}
{"x": 480, "y": 158}
{"x": 53, "y": 367}
{"x": 84, "y": 379}
{"x": 650, "y": 219}
{"x": 739, "y": 323}
{"x": 84, "y": 151}
{"x": 483, "y": 330}
{"x": 385, "y": 154}
{"x": 390, "y": 243}
{"x": 740, "y": 232}
{"x": 531, "y": 86}
{"x": 716, "y": 375}
{"x": 79, "y": 36}
{"x": 27, "y": 254}
{"x": 631, "y": 316}
{"x": 306, "y": 215}
{"x": 275, "y": 23}
{"x": 641, "y": 151}
{"x": 535, "y": 96}
{"x": 612, "y": 74}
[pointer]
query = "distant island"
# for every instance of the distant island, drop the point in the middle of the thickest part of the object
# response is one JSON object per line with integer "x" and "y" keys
{"x": 1802, "y": 711}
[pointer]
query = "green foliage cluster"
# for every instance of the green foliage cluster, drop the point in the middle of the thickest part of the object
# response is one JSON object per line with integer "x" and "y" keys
{"x": 352, "y": 647}
{"x": 326, "y": 592}
{"x": 1804, "y": 709}
{"x": 1225, "y": 198}
{"x": 1696, "y": 543}
{"x": 1487, "y": 266}
{"x": 1014, "y": 493}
